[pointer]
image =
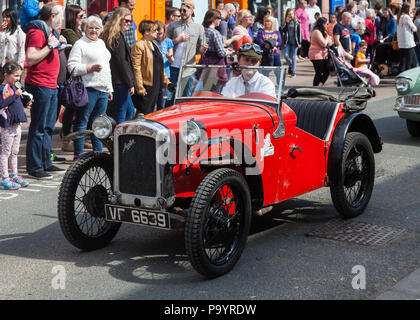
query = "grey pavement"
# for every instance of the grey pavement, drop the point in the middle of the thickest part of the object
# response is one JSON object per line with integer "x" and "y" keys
{"x": 406, "y": 288}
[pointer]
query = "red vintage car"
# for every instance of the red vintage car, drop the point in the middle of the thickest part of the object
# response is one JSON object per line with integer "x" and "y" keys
{"x": 217, "y": 157}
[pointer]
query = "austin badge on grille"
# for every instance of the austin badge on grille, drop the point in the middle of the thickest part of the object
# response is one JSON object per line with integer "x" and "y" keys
{"x": 128, "y": 145}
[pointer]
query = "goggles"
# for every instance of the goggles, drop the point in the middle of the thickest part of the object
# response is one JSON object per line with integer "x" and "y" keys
{"x": 250, "y": 46}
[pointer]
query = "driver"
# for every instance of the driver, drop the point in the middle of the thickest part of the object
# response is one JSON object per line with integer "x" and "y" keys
{"x": 250, "y": 80}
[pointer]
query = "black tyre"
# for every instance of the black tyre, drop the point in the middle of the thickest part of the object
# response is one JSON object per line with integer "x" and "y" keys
{"x": 218, "y": 222}
{"x": 351, "y": 194}
{"x": 413, "y": 128}
{"x": 83, "y": 194}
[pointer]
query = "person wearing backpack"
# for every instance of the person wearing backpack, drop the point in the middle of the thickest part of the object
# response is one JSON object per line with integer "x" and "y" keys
{"x": 43, "y": 62}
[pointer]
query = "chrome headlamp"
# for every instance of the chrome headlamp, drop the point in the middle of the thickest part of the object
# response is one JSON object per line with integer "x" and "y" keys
{"x": 402, "y": 84}
{"x": 103, "y": 126}
{"x": 192, "y": 132}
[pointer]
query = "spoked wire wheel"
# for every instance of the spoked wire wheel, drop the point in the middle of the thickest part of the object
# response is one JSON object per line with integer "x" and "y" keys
{"x": 218, "y": 222}
{"x": 351, "y": 194}
{"x": 91, "y": 195}
{"x": 221, "y": 231}
{"x": 81, "y": 202}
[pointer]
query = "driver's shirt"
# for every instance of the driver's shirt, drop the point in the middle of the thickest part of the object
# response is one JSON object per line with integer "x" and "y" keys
{"x": 235, "y": 87}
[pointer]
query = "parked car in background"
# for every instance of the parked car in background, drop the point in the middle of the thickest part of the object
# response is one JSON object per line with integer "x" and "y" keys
{"x": 407, "y": 104}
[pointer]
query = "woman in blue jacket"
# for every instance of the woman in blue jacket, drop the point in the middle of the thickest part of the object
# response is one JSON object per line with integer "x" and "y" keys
{"x": 390, "y": 26}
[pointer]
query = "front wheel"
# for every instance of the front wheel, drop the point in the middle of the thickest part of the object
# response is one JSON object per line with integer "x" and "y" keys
{"x": 351, "y": 194}
{"x": 81, "y": 202}
{"x": 218, "y": 222}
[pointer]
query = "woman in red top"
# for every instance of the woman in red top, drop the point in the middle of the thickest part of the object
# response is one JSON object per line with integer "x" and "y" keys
{"x": 369, "y": 21}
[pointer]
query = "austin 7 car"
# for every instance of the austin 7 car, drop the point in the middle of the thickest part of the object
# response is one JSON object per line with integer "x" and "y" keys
{"x": 217, "y": 157}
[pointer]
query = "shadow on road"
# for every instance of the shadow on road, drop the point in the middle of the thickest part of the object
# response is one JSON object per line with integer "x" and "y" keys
{"x": 148, "y": 256}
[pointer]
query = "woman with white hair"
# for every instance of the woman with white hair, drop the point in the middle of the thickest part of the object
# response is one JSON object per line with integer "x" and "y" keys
{"x": 89, "y": 58}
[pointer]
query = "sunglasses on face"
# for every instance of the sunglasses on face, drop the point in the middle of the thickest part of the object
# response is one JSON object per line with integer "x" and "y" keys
{"x": 183, "y": 10}
{"x": 127, "y": 20}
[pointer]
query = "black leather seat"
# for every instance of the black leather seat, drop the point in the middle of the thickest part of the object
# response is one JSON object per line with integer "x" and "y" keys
{"x": 313, "y": 117}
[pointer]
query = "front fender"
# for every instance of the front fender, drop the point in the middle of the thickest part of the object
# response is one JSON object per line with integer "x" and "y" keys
{"x": 354, "y": 122}
{"x": 108, "y": 142}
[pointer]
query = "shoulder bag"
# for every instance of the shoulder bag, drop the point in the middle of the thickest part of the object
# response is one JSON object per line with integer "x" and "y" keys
{"x": 74, "y": 94}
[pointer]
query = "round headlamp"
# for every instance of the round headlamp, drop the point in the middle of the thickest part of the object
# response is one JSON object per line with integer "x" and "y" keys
{"x": 402, "y": 84}
{"x": 102, "y": 127}
{"x": 191, "y": 133}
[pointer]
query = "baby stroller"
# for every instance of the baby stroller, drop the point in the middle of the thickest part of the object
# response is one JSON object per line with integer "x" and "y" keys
{"x": 385, "y": 61}
{"x": 346, "y": 77}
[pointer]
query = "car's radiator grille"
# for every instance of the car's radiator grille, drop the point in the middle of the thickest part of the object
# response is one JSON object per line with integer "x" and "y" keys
{"x": 413, "y": 100}
{"x": 137, "y": 165}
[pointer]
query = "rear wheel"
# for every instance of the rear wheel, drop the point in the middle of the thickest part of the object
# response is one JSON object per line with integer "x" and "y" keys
{"x": 81, "y": 202}
{"x": 218, "y": 222}
{"x": 413, "y": 128}
{"x": 351, "y": 194}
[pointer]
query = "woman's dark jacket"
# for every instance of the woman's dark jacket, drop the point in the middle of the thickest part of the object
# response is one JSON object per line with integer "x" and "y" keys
{"x": 285, "y": 33}
{"x": 121, "y": 65}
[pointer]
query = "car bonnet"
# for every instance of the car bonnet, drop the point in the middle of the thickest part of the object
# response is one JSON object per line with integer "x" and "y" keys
{"x": 217, "y": 115}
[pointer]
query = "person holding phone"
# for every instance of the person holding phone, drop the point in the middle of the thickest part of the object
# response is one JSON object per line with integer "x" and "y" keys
{"x": 12, "y": 39}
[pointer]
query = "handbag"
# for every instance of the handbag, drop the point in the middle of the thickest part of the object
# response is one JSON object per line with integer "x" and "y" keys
{"x": 74, "y": 94}
{"x": 395, "y": 44}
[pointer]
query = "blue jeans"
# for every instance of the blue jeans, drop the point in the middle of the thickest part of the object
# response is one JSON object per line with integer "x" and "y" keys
{"x": 290, "y": 51}
{"x": 163, "y": 94}
{"x": 41, "y": 128}
{"x": 188, "y": 82}
{"x": 123, "y": 105}
{"x": 98, "y": 101}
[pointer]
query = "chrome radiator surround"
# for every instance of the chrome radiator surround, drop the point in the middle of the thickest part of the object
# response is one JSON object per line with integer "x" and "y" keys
{"x": 165, "y": 194}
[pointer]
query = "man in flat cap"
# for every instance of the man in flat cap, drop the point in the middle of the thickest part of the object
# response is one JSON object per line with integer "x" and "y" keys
{"x": 250, "y": 80}
{"x": 189, "y": 39}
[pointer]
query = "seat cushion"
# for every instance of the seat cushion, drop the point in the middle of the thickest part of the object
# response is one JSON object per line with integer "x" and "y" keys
{"x": 313, "y": 117}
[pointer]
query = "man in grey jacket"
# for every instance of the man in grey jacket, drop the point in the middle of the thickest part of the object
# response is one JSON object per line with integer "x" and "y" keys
{"x": 189, "y": 40}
